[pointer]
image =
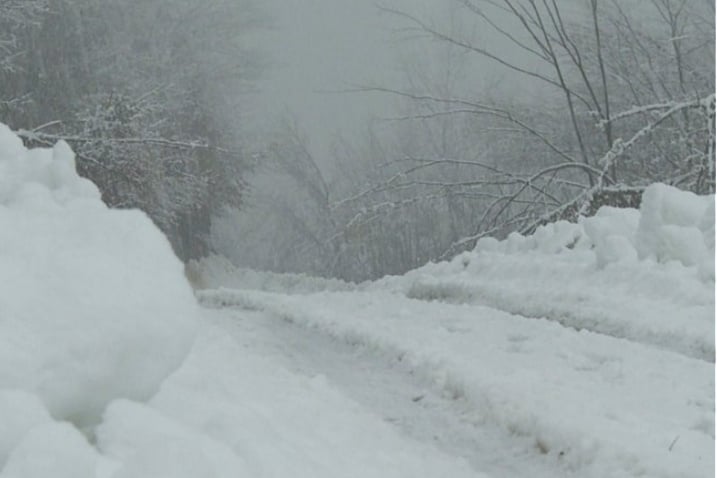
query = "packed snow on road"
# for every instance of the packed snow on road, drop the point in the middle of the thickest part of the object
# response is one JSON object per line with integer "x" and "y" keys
{"x": 583, "y": 350}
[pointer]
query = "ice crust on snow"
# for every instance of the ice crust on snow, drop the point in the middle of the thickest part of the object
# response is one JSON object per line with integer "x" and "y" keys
{"x": 93, "y": 303}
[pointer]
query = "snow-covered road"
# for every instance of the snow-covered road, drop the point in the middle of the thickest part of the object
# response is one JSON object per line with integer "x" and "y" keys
{"x": 583, "y": 350}
{"x": 510, "y": 396}
{"x": 390, "y": 391}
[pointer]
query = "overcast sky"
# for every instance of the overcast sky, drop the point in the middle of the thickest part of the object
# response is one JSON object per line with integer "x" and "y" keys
{"x": 317, "y": 46}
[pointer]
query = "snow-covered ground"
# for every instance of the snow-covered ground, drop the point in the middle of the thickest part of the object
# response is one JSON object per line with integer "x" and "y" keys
{"x": 595, "y": 340}
{"x": 585, "y": 350}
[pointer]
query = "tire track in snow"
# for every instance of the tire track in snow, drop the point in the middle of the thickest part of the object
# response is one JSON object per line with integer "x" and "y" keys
{"x": 386, "y": 386}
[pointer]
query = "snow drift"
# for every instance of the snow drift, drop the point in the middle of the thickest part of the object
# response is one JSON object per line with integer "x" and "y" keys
{"x": 93, "y": 303}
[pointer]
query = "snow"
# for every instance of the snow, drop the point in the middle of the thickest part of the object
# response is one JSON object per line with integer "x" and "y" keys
{"x": 676, "y": 225}
{"x": 216, "y": 271}
{"x": 147, "y": 443}
{"x": 595, "y": 339}
{"x": 287, "y": 425}
{"x": 387, "y": 388}
{"x": 226, "y": 414}
{"x": 103, "y": 373}
{"x": 600, "y": 404}
{"x": 88, "y": 293}
{"x": 583, "y": 350}
{"x": 52, "y": 449}
{"x": 612, "y": 231}
{"x": 93, "y": 304}
{"x": 646, "y": 275}
{"x": 19, "y": 413}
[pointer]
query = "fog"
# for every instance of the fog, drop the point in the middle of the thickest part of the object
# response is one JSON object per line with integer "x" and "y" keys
{"x": 319, "y": 49}
{"x": 355, "y": 139}
{"x": 506, "y": 110}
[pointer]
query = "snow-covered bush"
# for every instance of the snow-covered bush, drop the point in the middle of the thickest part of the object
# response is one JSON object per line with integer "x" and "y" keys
{"x": 93, "y": 303}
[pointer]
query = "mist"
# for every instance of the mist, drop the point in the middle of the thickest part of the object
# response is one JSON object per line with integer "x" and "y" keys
{"x": 353, "y": 140}
{"x": 321, "y": 51}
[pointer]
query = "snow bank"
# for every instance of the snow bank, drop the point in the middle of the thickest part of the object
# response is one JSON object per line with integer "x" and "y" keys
{"x": 93, "y": 303}
{"x": 150, "y": 444}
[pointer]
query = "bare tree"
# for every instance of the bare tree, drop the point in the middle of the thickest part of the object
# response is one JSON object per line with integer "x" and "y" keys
{"x": 639, "y": 109}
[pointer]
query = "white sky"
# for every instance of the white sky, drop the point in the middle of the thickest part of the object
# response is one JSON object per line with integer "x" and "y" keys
{"x": 319, "y": 46}
{"x": 328, "y": 45}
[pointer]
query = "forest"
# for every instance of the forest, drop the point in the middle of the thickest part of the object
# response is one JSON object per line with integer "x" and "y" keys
{"x": 154, "y": 99}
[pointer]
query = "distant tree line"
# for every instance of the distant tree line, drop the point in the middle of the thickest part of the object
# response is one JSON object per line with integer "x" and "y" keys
{"x": 145, "y": 92}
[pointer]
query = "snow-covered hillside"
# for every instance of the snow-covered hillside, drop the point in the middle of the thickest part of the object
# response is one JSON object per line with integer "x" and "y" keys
{"x": 585, "y": 350}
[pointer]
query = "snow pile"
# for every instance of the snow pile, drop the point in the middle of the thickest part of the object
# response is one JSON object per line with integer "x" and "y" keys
{"x": 677, "y": 226}
{"x": 52, "y": 449}
{"x": 93, "y": 303}
{"x": 20, "y": 412}
{"x": 645, "y": 275}
{"x": 671, "y": 225}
